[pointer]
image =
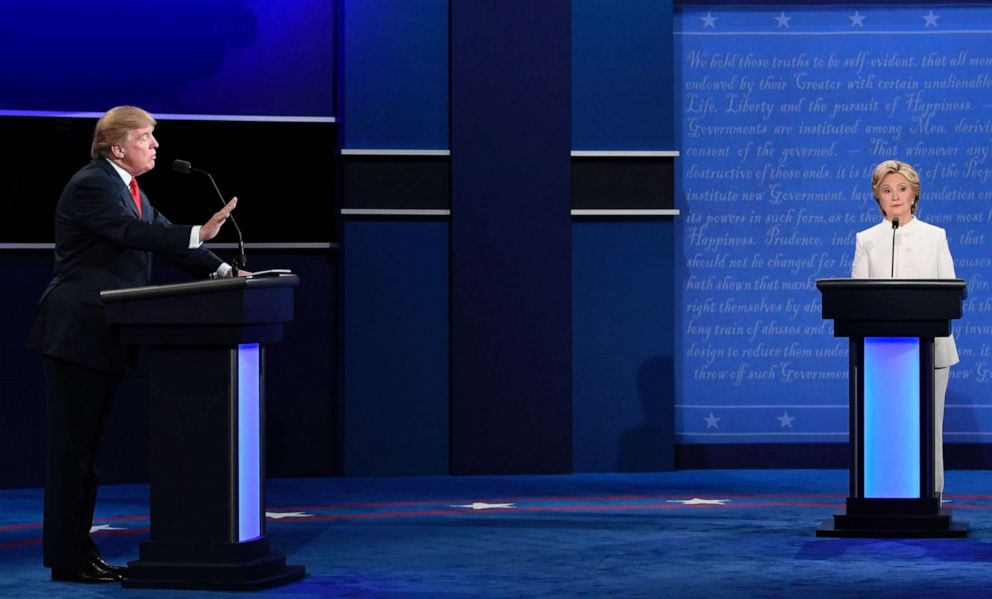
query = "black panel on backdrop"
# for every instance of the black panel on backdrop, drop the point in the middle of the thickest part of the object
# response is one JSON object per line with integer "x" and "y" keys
{"x": 623, "y": 183}
{"x": 397, "y": 182}
{"x": 282, "y": 173}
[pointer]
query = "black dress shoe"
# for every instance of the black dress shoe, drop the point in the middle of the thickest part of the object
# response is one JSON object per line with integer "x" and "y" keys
{"x": 85, "y": 573}
{"x": 102, "y": 565}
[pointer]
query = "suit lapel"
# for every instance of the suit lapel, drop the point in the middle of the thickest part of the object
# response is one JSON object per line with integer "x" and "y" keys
{"x": 123, "y": 193}
{"x": 127, "y": 199}
{"x": 145, "y": 206}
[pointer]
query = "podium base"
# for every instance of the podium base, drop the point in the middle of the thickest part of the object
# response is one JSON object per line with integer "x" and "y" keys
{"x": 206, "y": 566}
{"x": 176, "y": 580}
{"x": 937, "y": 525}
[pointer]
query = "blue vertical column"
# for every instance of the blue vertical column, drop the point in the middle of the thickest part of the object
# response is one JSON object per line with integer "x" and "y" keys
{"x": 622, "y": 82}
{"x": 892, "y": 417}
{"x": 510, "y": 237}
{"x": 250, "y": 516}
{"x": 395, "y": 74}
{"x": 623, "y": 266}
{"x": 623, "y": 367}
{"x": 394, "y": 409}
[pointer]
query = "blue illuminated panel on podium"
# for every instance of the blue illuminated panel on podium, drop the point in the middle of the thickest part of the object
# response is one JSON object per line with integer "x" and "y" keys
{"x": 249, "y": 457}
{"x": 892, "y": 416}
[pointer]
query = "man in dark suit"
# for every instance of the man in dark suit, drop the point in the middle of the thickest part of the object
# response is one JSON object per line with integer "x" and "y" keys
{"x": 105, "y": 234}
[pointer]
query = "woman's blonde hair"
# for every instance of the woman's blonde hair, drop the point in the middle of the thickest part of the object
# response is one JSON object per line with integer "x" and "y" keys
{"x": 115, "y": 126}
{"x": 888, "y": 167}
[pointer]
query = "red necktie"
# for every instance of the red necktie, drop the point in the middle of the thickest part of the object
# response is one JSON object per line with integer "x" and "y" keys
{"x": 136, "y": 195}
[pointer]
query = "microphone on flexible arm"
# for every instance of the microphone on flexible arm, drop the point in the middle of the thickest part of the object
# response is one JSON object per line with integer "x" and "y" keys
{"x": 895, "y": 225}
{"x": 184, "y": 167}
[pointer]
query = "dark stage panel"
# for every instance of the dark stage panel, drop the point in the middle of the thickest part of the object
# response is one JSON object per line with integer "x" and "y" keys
{"x": 282, "y": 173}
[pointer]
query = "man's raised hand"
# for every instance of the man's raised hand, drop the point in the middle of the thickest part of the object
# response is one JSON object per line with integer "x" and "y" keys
{"x": 211, "y": 228}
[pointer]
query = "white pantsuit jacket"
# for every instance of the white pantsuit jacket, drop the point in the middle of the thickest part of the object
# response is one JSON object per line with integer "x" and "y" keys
{"x": 921, "y": 253}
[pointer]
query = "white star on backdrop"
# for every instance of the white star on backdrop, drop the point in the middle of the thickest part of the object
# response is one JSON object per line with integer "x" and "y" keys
{"x": 930, "y": 20}
{"x": 712, "y": 421}
{"x": 281, "y": 515}
{"x": 785, "y": 421}
{"x": 479, "y": 505}
{"x": 709, "y": 21}
{"x": 100, "y": 527}
{"x": 857, "y": 19}
{"x": 783, "y": 21}
{"x": 699, "y": 501}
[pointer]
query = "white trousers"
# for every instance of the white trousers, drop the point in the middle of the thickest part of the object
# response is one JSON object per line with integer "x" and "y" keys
{"x": 940, "y": 378}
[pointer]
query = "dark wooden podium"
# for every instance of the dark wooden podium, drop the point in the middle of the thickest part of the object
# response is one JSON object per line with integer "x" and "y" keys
{"x": 891, "y": 324}
{"x": 207, "y": 432}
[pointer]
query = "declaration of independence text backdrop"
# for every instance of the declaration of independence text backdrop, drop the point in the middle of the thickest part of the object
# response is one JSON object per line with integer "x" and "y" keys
{"x": 785, "y": 111}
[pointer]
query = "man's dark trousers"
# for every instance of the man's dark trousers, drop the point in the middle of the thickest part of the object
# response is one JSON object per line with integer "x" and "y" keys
{"x": 79, "y": 402}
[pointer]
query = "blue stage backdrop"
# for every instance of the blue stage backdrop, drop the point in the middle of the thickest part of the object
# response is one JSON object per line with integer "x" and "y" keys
{"x": 216, "y": 57}
{"x": 785, "y": 111}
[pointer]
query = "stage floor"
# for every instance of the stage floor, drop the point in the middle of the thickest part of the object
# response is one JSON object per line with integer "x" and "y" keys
{"x": 712, "y": 533}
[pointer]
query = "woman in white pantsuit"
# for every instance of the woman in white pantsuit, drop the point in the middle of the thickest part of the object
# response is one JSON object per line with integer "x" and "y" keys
{"x": 921, "y": 253}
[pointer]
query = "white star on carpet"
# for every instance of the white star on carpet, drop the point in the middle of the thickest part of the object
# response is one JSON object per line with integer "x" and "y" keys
{"x": 857, "y": 19}
{"x": 783, "y": 21}
{"x": 785, "y": 420}
{"x": 281, "y": 515}
{"x": 709, "y": 21}
{"x": 712, "y": 421}
{"x": 699, "y": 501}
{"x": 103, "y": 527}
{"x": 478, "y": 505}
{"x": 930, "y": 20}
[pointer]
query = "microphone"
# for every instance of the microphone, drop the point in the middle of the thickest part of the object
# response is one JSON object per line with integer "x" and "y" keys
{"x": 184, "y": 167}
{"x": 895, "y": 225}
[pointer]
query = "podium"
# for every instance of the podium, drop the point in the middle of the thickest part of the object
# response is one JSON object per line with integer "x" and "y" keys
{"x": 891, "y": 324}
{"x": 207, "y": 430}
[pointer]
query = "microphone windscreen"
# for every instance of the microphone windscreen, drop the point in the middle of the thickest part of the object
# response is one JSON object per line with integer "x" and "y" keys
{"x": 182, "y": 166}
{"x": 895, "y": 221}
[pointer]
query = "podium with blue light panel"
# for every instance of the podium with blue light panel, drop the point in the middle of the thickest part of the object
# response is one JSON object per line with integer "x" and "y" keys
{"x": 206, "y": 368}
{"x": 891, "y": 324}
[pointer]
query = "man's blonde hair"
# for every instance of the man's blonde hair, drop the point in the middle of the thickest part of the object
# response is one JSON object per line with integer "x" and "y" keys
{"x": 115, "y": 126}
{"x": 886, "y": 168}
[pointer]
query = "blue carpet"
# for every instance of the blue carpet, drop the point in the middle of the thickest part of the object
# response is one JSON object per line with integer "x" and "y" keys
{"x": 679, "y": 534}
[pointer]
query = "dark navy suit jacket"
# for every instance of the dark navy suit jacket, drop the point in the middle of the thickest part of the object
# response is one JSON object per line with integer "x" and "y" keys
{"x": 101, "y": 244}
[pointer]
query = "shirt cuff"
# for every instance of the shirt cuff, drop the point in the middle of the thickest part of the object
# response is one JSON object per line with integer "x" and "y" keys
{"x": 194, "y": 238}
{"x": 223, "y": 271}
